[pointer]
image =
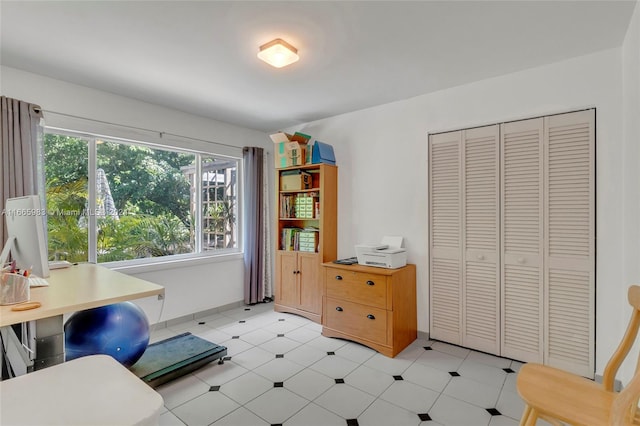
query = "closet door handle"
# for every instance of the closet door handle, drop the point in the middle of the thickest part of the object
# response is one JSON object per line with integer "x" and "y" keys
{"x": 371, "y": 316}
{"x": 339, "y": 309}
{"x": 370, "y": 282}
{"x": 338, "y": 277}
{"x": 480, "y": 257}
{"x": 522, "y": 260}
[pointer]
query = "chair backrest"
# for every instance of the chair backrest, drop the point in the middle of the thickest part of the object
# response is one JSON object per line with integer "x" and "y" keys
{"x": 623, "y": 411}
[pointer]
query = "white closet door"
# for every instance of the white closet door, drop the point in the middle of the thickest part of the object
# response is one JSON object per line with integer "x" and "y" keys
{"x": 570, "y": 229}
{"x": 481, "y": 266}
{"x": 522, "y": 240}
{"x": 445, "y": 237}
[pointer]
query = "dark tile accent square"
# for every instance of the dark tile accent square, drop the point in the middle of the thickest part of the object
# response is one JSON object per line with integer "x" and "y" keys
{"x": 331, "y": 353}
{"x": 242, "y": 321}
{"x": 352, "y": 422}
{"x": 226, "y": 358}
{"x": 235, "y": 337}
{"x": 280, "y": 335}
{"x": 214, "y": 388}
{"x": 278, "y": 384}
{"x": 247, "y": 309}
{"x": 397, "y": 378}
{"x": 280, "y": 319}
{"x": 454, "y": 373}
{"x": 428, "y": 348}
{"x": 508, "y": 370}
{"x": 493, "y": 412}
{"x": 339, "y": 381}
{"x": 425, "y": 417}
{"x": 201, "y": 323}
{"x": 279, "y": 355}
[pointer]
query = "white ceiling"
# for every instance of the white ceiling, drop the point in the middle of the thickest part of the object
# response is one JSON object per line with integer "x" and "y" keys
{"x": 200, "y": 56}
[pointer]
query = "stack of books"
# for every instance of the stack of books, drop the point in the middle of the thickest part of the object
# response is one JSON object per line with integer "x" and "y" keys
{"x": 289, "y": 239}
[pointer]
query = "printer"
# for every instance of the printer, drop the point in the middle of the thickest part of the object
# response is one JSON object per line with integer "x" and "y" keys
{"x": 388, "y": 254}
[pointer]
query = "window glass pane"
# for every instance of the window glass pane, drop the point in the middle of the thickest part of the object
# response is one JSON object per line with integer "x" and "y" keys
{"x": 219, "y": 203}
{"x": 147, "y": 200}
{"x": 142, "y": 202}
{"x": 66, "y": 160}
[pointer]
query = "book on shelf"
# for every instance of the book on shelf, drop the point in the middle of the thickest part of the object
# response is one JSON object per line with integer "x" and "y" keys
{"x": 299, "y": 206}
{"x": 297, "y": 239}
{"x": 289, "y": 240}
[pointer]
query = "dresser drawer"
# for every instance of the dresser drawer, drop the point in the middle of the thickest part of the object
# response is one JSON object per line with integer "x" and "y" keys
{"x": 365, "y": 322}
{"x": 358, "y": 287}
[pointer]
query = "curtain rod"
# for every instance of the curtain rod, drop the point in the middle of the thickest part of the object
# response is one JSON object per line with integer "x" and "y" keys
{"x": 159, "y": 133}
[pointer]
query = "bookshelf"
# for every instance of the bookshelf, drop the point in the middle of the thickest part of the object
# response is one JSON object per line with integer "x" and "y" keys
{"x": 306, "y": 236}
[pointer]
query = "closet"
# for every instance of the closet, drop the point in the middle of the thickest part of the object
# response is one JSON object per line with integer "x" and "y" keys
{"x": 512, "y": 234}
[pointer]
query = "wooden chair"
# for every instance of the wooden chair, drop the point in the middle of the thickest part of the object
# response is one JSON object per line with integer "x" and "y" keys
{"x": 560, "y": 397}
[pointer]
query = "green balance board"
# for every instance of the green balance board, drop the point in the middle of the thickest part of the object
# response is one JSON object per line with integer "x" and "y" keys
{"x": 171, "y": 358}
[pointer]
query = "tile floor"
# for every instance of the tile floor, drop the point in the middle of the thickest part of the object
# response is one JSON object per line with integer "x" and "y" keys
{"x": 282, "y": 371}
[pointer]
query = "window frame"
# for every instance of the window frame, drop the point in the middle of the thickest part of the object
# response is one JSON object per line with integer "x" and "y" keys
{"x": 161, "y": 262}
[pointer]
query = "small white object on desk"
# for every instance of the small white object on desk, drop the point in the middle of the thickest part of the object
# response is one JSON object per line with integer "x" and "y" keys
{"x": 37, "y": 282}
{"x": 59, "y": 264}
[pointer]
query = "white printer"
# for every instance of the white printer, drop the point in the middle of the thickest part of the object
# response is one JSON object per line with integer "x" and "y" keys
{"x": 388, "y": 254}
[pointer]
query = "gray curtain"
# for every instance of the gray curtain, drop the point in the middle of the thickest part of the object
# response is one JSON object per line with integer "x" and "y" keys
{"x": 256, "y": 228}
{"x": 21, "y": 154}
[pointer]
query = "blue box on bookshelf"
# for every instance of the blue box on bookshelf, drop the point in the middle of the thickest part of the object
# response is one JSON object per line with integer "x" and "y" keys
{"x": 322, "y": 153}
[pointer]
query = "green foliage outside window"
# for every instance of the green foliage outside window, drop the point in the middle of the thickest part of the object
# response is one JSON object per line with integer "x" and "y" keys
{"x": 151, "y": 196}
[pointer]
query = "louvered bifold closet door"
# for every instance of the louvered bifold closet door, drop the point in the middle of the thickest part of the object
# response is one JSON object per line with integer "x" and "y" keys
{"x": 480, "y": 236}
{"x": 445, "y": 272}
{"x": 522, "y": 240}
{"x": 570, "y": 230}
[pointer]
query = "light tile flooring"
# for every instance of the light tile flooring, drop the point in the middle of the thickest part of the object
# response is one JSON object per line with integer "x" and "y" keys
{"x": 282, "y": 371}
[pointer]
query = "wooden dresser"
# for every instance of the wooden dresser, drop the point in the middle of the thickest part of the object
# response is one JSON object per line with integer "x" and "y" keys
{"x": 369, "y": 305}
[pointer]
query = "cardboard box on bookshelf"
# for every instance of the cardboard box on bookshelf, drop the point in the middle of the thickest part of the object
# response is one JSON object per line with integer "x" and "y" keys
{"x": 290, "y": 150}
{"x": 295, "y": 180}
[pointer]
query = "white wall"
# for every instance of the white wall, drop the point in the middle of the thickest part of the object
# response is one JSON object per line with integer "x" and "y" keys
{"x": 382, "y": 159}
{"x": 190, "y": 286}
{"x": 631, "y": 125}
{"x": 631, "y": 121}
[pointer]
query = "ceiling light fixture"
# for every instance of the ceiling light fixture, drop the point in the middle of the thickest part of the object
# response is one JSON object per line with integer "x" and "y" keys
{"x": 278, "y": 53}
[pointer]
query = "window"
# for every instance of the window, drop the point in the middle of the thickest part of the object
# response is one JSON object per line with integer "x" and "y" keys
{"x": 142, "y": 201}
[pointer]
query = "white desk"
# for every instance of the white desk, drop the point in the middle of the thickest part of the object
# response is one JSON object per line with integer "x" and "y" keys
{"x": 89, "y": 391}
{"x": 77, "y": 288}
{"x": 73, "y": 289}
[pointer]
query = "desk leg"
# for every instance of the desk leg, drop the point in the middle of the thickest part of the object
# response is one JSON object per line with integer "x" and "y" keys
{"x": 34, "y": 345}
{"x": 47, "y": 335}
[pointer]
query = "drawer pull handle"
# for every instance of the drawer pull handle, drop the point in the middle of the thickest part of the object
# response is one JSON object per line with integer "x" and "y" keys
{"x": 339, "y": 309}
{"x": 370, "y": 283}
{"x": 371, "y": 316}
{"x": 338, "y": 277}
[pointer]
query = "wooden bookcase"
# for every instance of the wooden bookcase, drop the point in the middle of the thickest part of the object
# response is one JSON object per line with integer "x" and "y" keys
{"x": 299, "y": 281}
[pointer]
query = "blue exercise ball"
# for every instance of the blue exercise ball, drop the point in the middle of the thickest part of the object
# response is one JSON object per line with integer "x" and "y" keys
{"x": 120, "y": 330}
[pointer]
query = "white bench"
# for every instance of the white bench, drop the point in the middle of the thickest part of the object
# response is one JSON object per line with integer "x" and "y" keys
{"x": 92, "y": 390}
